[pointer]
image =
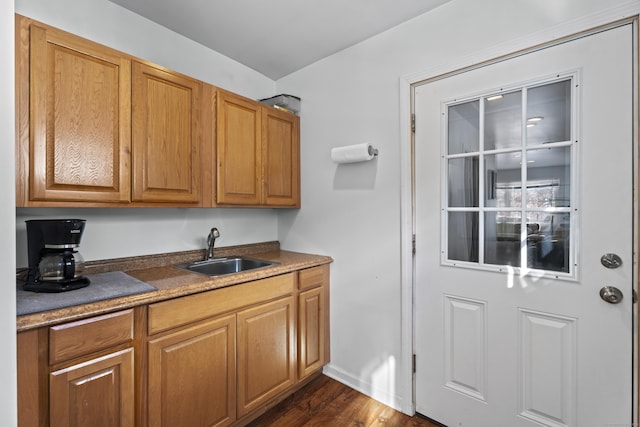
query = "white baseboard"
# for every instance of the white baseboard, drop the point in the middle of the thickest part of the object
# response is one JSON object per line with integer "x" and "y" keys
{"x": 365, "y": 387}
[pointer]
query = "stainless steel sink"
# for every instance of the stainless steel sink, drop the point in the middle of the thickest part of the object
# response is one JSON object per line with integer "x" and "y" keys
{"x": 222, "y": 266}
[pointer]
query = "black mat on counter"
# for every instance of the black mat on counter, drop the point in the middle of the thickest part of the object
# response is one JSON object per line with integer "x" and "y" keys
{"x": 103, "y": 286}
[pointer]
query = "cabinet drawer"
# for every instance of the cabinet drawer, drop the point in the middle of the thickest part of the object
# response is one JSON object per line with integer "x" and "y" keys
{"x": 89, "y": 335}
{"x": 312, "y": 277}
{"x": 181, "y": 311}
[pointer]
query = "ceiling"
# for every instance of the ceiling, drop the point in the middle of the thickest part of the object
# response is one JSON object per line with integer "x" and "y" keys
{"x": 278, "y": 37}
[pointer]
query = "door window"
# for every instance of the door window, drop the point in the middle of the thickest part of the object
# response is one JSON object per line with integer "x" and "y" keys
{"x": 510, "y": 163}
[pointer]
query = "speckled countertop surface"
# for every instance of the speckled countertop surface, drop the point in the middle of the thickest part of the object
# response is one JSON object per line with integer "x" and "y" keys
{"x": 171, "y": 282}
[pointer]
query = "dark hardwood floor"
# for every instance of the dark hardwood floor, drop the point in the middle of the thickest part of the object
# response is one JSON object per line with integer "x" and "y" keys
{"x": 326, "y": 402}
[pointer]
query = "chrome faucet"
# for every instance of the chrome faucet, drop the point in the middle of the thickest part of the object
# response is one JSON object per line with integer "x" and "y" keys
{"x": 211, "y": 240}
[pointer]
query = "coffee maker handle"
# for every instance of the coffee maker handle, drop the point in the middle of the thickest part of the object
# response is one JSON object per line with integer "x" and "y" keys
{"x": 69, "y": 266}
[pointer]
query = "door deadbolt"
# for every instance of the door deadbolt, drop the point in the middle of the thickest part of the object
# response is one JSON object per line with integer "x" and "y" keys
{"x": 611, "y": 294}
{"x": 611, "y": 260}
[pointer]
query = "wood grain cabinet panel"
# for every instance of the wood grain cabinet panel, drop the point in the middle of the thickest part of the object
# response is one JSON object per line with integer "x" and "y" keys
{"x": 313, "y": 320}
{"x": 166, "y": 136}
{"x": 215, "y": 358}
{"x": 178, "y": 312}
{"x": 32, "y": 379}
{"x": 280, "y": 158}
{"x": 266, "y": 353}
{"x": 258, "y": 154}
{"x": 86, "y": 336}
{"x": 80, "y": 107}
{"x": 99, "y": 128}
{"x": 239, "y": 153}
{"x": 311, "y": 331}
{"x": 99, "y": 392}
{"x": 313, "y": 277}
{"x": 192, "y": 376}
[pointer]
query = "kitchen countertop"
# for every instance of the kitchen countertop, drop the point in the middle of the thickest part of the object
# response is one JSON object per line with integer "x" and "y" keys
{"x": 171, "y": 282}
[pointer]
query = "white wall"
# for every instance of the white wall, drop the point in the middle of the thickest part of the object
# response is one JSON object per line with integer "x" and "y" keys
{"x": 112, "y": 25}
{"x": 114, "y": 233}
{"x": 8, "y": 393}
{"x": 352, "y": 212}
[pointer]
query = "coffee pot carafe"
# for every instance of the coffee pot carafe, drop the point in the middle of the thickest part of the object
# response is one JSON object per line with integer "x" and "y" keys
{"x": 55, "y": 265}
{"x": 60, "y": 265}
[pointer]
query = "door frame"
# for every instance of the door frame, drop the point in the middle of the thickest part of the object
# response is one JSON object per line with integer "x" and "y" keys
{"x": 609, "y": 18}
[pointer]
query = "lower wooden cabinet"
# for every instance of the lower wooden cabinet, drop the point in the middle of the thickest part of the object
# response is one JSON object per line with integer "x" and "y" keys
{"x": 221, "y": 369}
{"x": 313, "y": 320}
{"x": 99, "y": 392}
{"x": 32, "y": 379}
{"x": 217, "y": 358}
{"x": 192, "y": 375}
{"x": 311, "y": 331}
{"x": 79, "y": 373}
{"x": 266, "y": 353}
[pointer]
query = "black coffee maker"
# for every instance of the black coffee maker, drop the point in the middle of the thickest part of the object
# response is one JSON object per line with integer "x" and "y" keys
{"x": 54, "y": 263}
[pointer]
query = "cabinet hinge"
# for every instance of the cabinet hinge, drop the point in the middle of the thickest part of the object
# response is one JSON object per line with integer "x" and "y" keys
{"x": 635, "y": 296}
{"x": 413, "y": 244}
{"x": 413, "y": 123}
{"x": 413, "y": 364}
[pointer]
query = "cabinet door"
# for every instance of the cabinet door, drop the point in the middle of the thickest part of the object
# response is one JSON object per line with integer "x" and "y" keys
{"x": 166, "y": 136}
{"x": 280, "y": 158}
{"x": 311, "y": 331}
{"x": 96, "y": 393}
{"x": 192, "y": 376}
{"x": 239, "y": 156}
{"x": 31, "y": 362}
{"x": 79, "y": 121}
{"x": 266, "y": 353}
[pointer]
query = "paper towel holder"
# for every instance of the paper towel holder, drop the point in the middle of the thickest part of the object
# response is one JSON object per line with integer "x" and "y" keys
{"x": 354, "y": 153}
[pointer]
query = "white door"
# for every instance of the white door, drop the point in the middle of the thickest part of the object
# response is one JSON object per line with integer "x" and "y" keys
{"x": 523, "y": 181}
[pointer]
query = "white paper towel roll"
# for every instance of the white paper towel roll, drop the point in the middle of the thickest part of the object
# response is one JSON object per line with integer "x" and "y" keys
{"x": 353, "y": 153}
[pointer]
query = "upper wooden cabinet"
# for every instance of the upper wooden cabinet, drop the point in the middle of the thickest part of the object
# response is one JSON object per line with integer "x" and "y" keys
{"x": 96, "y": 127}
{"x": 280, "y": 158}
{"x": 239, "y": 150}
{"x": 78, "y": 137}
{"x": 166, "y": 136}
{"x": 258, "y": 154}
